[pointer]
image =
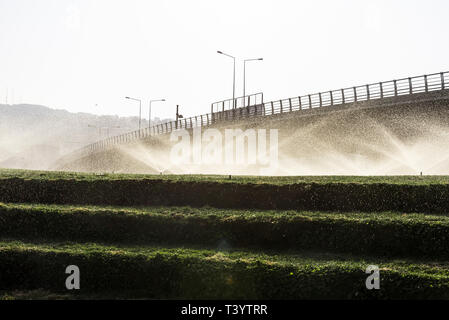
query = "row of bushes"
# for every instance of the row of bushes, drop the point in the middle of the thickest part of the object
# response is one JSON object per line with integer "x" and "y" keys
{"x": 171, "y": 276}
{"x": 302, "y": 196}
{"x": 402, "y": 237}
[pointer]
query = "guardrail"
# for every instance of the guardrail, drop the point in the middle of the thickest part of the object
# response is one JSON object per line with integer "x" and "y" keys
{"x": 239, "y": 102}
{"x": 380, "y": 90}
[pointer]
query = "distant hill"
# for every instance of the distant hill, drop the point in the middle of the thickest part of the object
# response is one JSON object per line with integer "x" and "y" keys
{"x": 33, "y": 136}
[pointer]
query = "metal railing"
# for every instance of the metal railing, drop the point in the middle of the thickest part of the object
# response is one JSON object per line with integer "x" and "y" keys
{"x": 250, "y": 106}
{"x": 380, "y": 90}
{"x": 240, "y": 102}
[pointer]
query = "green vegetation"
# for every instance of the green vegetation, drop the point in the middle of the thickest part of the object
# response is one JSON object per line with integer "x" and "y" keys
{"x": 278, "y": 180}
{"x": 370, "y": 197}
{"x": 156, "y": 272}
{"x": 385, "y": 234}
{"x": 192, "y": 237}
{"x": 37, "y": 294}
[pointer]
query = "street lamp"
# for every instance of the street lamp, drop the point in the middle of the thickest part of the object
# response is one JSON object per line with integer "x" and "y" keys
{"x": 233, "y": 81}
{"x": 149, "y": 111}
{"x": 140, "y": 108}
{"x": 244, "y": 74}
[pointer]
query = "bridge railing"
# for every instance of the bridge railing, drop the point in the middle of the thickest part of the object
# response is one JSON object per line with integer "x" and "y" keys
{"x": 252, "y": 107}
{"x": 239, "y": 102}
{"x": 380, "y": 90}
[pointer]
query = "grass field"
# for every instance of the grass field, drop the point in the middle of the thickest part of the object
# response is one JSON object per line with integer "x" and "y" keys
{"x": 278, "y": 180}
{"x": 426, "y": 195}
{"x": 390, "y": 233}
{"x": 171, "y": 272}
{"x": 193, "y": 237}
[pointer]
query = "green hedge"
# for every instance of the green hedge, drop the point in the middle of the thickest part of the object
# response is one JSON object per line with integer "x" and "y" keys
{"x": 384, "y": 234}
{"x": 303, "y": 196}
{"x": 197, "y": 276}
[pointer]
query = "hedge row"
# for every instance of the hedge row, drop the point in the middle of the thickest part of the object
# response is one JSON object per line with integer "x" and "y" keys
{"x": 194, "y": 277}
{"x": 382, "y": 237}
{"x": 302, "y": 196}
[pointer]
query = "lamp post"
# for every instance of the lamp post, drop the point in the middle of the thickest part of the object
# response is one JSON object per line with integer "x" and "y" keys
{"x": 233, "y": 81}
{"x": 149, "y": 111}
{"x": 244, "y": 75}
{"x": 140, "y": 109}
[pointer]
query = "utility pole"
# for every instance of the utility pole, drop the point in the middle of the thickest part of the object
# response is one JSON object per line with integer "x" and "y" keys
{"x": 178, "y": 116}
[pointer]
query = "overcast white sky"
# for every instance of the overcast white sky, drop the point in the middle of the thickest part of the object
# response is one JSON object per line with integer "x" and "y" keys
{"x": 76, "y": 54}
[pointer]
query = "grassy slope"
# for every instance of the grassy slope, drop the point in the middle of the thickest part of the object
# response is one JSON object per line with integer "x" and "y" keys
{"x": 203, "y": 273}
{"x": 293, "y": 259}
{"x": 385, "y": 233}
{"x": 164, "y": 270}
{"x": 209, "y": 213}
{"x": 284, "y": 180}
{"x": 406, "y": 194}
{"x": 185, "y": 212}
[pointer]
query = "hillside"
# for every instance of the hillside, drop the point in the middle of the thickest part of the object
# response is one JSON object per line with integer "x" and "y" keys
{"x": 33, "y": 136}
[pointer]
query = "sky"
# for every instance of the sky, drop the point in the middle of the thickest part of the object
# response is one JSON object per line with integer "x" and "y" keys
{"x": 87, "y": 55}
